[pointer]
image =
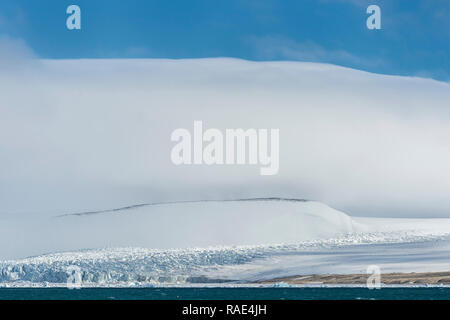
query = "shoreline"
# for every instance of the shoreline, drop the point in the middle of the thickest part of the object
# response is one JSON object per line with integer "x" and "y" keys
{"x": 395, "y": 278}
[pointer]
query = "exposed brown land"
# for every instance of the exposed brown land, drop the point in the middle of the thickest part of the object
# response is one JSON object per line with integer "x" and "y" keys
{"x": 386, "y": 278}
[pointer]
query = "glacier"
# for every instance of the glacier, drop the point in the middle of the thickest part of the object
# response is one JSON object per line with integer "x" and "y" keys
{"x": 87, "y": 180}
{"x": 220, "y": 242}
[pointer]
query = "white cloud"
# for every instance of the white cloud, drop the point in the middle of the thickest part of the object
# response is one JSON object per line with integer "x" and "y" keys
{"x": 282, "y": 48}
{"x": 13, "y": 51}
{"x": 13, "y": 20}
{"x": 92, "y": 134}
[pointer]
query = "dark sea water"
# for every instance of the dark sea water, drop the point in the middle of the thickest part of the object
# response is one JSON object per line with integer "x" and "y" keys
{"x": 224, "y": 293}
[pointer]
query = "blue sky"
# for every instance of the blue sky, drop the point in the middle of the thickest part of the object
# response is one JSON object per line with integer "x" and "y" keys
{"x": 414, "y": 39}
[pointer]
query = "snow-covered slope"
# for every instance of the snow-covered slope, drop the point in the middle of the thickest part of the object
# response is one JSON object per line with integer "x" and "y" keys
{"x": 215, "y": 241}
{"x": 177, "y": 225}
{"x": 407, "y": 250}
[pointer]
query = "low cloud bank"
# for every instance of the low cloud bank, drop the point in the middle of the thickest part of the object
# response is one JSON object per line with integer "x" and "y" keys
{"x": 80, "y": 135}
